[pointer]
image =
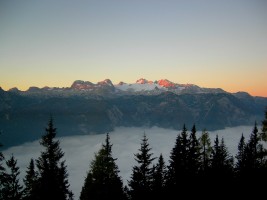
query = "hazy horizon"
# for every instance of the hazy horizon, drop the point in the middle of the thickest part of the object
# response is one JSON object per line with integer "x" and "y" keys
{"x": 79, "y": 150}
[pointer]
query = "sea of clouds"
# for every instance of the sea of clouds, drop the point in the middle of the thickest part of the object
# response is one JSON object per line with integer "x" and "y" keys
{"x": 80, "y": 150}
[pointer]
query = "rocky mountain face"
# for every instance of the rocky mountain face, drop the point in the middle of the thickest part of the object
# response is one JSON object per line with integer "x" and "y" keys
{"x": 88, "y": 108}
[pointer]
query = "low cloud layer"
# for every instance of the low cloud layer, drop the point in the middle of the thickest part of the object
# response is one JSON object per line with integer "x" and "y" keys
{"x": 80, "y": 150}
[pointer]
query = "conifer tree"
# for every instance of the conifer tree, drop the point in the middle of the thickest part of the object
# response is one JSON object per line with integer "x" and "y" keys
{"x": 194, "y": 153}
{"x": 194, "y": 179}
{"x": 52, "y": 179}
{"x": 262, "y": 151}
{"x": 159, "y": 179}
{"x": 205, "y": 150}
{"x": 142, "y": 174}
{"x": 2, "y": 158}
{"x": 221, "y": 161}
{"x": 221, "y": 167}
{"x": 255, "y": 156}
{"x": 240, "y": 157}
{"x": 2, "y": 172}
{"x": 12, "y": 190}
{"x": 254, "y": 165}
{"x": 178, "y": 176}
{"x": 185, "y": 150}
{"x": 30, "y": 182}
{"x": 174, "y": 166}
{"x": 252, "y": 161}
{"x": 102, "y": 180}
{"x": 264, "y": 127}
{"x": 227, "y": 158}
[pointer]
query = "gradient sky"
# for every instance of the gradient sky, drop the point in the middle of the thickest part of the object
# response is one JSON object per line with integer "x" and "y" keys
{"x": 210, "y": 43}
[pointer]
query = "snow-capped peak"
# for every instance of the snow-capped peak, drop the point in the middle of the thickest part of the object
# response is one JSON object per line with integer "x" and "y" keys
{"x": 166, "y": 83}
{"x": 140, "y": 85}
{"x": 144, "y": 81}
{"x": 106, "y": 82}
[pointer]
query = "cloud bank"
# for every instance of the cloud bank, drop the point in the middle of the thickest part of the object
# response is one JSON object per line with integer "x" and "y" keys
{"x": 80, "y": 150}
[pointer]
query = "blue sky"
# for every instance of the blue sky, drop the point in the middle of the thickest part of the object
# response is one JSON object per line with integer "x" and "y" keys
{"x": 210, "y": 43}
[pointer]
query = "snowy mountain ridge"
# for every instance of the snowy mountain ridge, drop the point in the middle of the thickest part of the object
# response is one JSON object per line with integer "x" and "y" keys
{"x": 106, "y": 88}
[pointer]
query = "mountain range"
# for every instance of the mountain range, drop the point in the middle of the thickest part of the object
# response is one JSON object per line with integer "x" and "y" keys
{"x": 106, "y": 88}
{"x": 91, "y": 108}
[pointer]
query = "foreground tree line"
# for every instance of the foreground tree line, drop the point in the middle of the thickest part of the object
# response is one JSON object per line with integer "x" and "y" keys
{"x": 195, "y": 167}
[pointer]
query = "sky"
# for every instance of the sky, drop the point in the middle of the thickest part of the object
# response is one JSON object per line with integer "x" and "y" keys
{"x": 210, "y": 43}
{"x": 80, "y": 150}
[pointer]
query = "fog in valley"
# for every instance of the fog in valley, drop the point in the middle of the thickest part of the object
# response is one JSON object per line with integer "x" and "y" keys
{"x": 79, "y": 150}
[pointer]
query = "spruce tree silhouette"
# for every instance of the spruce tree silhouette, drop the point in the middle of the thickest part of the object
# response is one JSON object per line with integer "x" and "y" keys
{"x": 12, "y": 190}
{"x": 2, "y": 171}
{"x": 30, "y": 182}
{"x": 264, "y": 127}
{"x": 159, "y": 179}
{"x": 140, "y": 184}
{"x": 102, "y": 181}
{"x": 52, "y": 172}
{"x": 178, "y": 168}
